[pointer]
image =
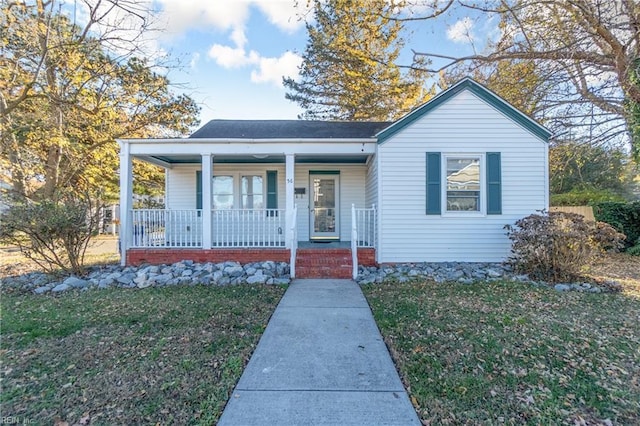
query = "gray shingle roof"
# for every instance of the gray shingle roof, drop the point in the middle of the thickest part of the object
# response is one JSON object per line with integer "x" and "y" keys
{"x": 288, "y": 129}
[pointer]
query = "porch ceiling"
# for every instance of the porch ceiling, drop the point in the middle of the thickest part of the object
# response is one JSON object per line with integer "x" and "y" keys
{"x": 170, "y": 160}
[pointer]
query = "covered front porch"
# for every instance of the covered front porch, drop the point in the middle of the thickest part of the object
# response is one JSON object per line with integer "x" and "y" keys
{"x": 250, "y": 201}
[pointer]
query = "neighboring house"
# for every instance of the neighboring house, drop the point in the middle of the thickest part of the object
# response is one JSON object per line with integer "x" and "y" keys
{"x": 4, "y": 195}
{"x": 437, "y": 185}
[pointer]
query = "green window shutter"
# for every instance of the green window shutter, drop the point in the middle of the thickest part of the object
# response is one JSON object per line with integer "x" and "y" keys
{"x": 434, "y": 194}
{"x": 494, "y": 183}
{"x": 198, "y": 189}
{"x": 272, "y": 191}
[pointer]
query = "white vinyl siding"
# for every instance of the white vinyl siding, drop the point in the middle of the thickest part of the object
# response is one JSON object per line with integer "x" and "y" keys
{"x": 371, "y": 184}
{"x": 181, "y": 187}
{"x": 465, "y": 125}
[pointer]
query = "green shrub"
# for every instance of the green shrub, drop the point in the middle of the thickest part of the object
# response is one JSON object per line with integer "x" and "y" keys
{"x": 52, "y": 233}
{"x": 634, "y": 250}
{"x": 584, "y": 197}
{"x": 557, "y": 246}
{"x": 625, "y": 217}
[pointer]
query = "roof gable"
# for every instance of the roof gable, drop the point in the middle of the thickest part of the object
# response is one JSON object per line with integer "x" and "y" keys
{"x": 477, "y": 89}
{"x": 288, "y": 129}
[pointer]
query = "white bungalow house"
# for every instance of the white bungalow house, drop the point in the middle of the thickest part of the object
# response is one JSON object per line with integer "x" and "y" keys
{"x": 439, "y": 184}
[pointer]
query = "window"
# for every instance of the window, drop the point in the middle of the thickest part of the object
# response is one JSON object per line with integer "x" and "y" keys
{"x": 222, "y": 192}
{"x": 463, "y": 184}
{"x": 252, "y": 192}
{"x": 237, "y": 191}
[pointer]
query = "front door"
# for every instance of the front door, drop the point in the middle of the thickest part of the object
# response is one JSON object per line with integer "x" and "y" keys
{"x": 325, "y": 206}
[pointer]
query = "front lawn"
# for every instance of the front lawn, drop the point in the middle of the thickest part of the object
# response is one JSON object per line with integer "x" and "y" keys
{"x": 511, "y": 353}
{"x": 154, "y": 356}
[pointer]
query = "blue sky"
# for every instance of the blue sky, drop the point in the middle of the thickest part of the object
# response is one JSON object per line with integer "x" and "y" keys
{"x": 235, "y": 52}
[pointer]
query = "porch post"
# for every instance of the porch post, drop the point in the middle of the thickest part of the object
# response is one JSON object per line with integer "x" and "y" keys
{"x": 289, "y": 194}
{"x": 126, "y": 197}
{"x": 206, "y": 200}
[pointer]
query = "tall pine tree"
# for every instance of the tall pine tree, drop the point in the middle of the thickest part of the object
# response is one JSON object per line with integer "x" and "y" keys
{"x": 349, "y": 69}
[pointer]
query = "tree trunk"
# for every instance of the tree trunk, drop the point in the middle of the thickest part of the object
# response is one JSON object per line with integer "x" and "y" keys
{"x": 54, "y": 152}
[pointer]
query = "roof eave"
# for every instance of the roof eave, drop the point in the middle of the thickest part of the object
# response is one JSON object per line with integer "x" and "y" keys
{"x": 246, "y": 140}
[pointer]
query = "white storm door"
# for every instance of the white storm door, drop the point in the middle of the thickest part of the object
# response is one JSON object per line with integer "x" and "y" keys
{"x": 325, "y": 206}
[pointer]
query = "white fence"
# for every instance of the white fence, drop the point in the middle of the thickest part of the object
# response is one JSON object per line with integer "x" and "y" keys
{"x": 586, "y": 211}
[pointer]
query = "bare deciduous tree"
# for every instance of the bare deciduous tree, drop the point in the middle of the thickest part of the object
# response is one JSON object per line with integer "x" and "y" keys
{"x": 71, "y": 81}
{"x": 588, "y": 50}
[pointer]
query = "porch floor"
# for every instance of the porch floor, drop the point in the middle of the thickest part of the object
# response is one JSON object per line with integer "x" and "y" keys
{"x": 324, "y": 245}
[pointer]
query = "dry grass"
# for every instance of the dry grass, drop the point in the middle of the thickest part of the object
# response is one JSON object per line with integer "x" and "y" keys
{"x": 102, "y": 250}
{"x": 619, "y": 267}
{"x": 514, "y": 354}
{"x": 154, "y": 356}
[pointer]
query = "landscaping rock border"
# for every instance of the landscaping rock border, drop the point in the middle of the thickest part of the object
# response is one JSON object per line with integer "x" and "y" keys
{"x": 187, "y": 272}
{"x": 468, "y": 273}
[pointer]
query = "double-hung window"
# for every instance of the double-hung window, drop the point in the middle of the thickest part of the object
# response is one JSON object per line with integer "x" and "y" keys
{"x": 223, "y": 192}
{"x": 459, "y": 184}
{"x": 241, "y": 191}
{"x": 463, "y": 183}
{"x": 252, "y": 192}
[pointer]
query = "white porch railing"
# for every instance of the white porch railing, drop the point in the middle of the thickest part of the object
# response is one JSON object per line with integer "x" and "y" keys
{"x": 248, "y": 228}
{"x": 354, "y": 243}
{"x": 363, "y": 232}
{"x": 293, "y": 235}
{"x": 365, "y": 222}
{"x": 166, "y": 228}
{"x": 229, "y": 228}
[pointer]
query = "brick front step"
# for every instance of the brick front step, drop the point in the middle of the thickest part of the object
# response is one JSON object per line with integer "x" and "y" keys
{"x": 322, "y": 272}
{"x": 323, "y": 263}
{"x": 306, "y": 261}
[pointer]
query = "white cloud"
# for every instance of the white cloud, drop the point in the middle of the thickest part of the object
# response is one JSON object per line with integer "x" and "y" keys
{"x": 121, "y": 28}
{"x": 237, "y": 36}
{"x": 461, "y": 31}
{"x": 271, "y": 70}
{"x": 232, "y": 16}
{"x": 195, "y": 58}
{"x": 266, "y": 69}
{"x": 183, "y": 15}
{"x": 232, "y": 57}
{"x": 284, "y": 14}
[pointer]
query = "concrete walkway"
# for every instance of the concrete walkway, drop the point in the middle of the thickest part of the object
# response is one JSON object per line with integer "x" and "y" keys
{"x": 321, "y": 361}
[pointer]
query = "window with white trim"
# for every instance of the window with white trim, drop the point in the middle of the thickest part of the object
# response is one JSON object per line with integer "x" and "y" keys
{"x": 463, "y": 183}
{"x": 252, "y": 192}
{"x": 223, "y": 193}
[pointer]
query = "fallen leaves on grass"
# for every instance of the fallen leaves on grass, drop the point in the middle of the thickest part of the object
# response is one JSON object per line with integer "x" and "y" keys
{"x": 513, "y": 352}
{"x": 158, "y": 356}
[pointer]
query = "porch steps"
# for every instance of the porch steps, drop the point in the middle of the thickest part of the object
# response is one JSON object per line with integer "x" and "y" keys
{"x": 323, "y": 263}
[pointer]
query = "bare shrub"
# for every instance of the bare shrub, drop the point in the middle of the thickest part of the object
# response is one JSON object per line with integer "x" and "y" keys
{"x": 557, "y": 246}
{"x": 54, "y": 233}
